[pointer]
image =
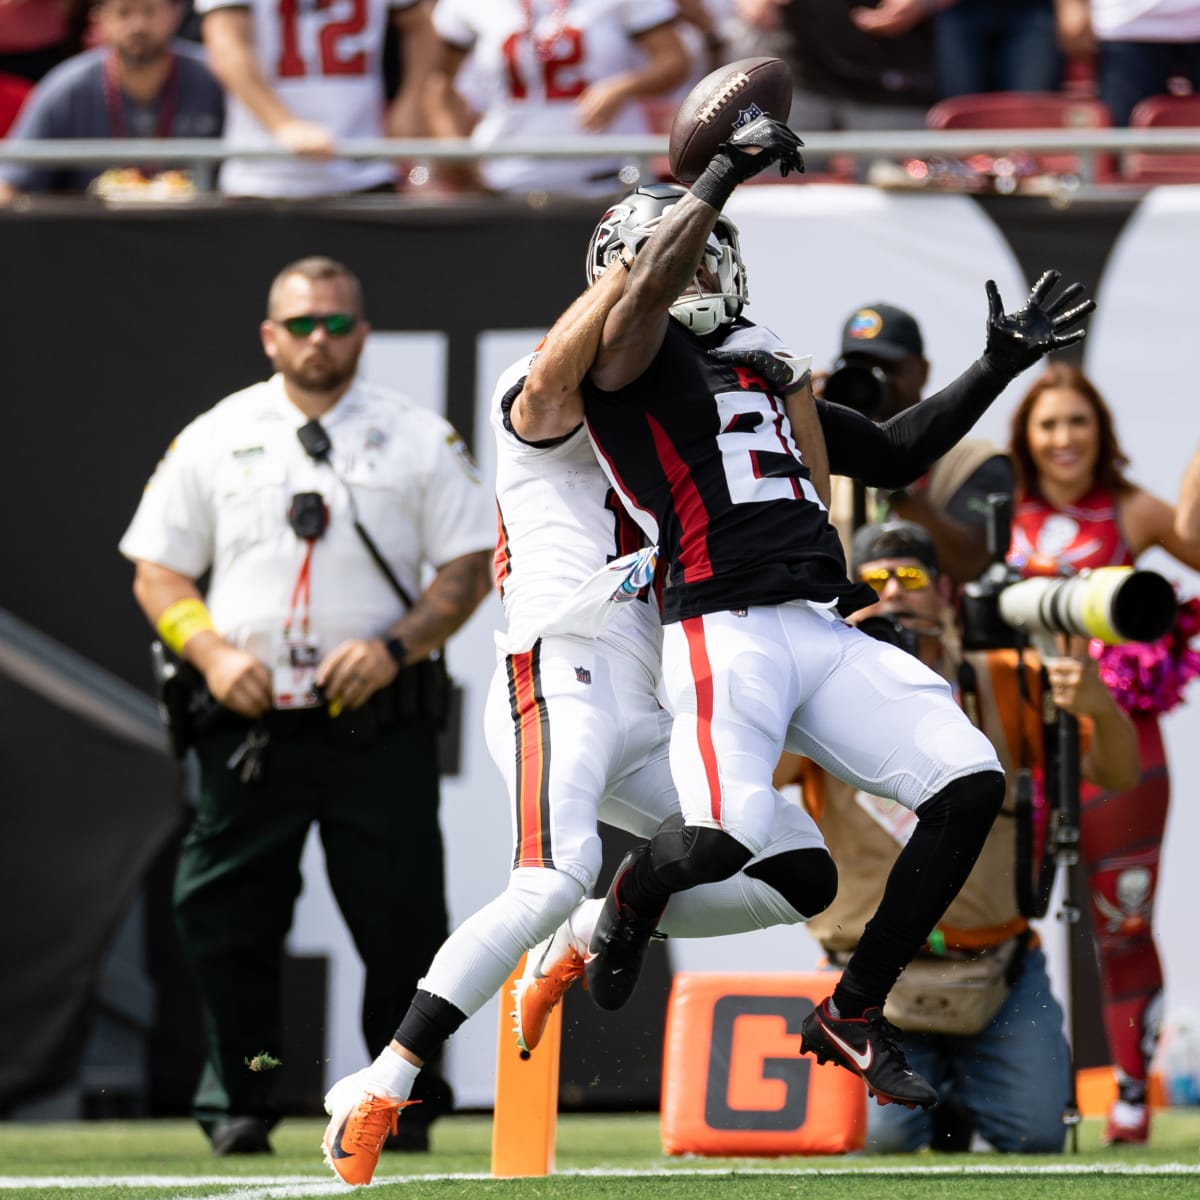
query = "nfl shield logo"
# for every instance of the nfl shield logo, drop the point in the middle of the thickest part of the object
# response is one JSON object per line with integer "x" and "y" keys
{"x": 583, "y": 675}
{"x": 746, "y": 115}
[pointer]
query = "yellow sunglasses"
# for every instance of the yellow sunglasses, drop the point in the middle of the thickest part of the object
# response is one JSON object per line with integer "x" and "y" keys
{"x": 911, "y": 579}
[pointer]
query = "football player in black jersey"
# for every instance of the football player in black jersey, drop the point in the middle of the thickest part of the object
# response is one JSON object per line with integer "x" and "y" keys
{"x": 686, "y": 411}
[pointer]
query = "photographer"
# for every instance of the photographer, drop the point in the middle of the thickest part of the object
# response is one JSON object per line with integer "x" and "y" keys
{"x": 882, "y": 371}
{"x": 975, "y": 1010}
{"x": 310, "y": 654}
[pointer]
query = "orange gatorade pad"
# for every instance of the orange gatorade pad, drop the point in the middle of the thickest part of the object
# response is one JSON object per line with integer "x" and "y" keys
{"x": 525, "y": 1121}
{"x": 734, "y": 1081}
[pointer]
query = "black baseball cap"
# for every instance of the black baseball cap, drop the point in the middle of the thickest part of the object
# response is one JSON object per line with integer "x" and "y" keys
{"x": 883, "y": 331}
{"x": 892, "y": 539}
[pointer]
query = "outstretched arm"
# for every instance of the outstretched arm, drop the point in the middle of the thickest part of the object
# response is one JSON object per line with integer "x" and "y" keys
{"x": 1187, "y": 511}
{"x": 903, "y": 448}
{"x": 669, "y": 258}
{"x": 550, "y": 404}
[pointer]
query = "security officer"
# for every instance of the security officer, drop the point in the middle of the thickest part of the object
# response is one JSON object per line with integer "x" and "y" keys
{"x": 315, "y": 500}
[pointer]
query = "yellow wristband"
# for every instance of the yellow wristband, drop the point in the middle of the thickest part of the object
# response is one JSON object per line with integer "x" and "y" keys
{"x": 181, "y": 621}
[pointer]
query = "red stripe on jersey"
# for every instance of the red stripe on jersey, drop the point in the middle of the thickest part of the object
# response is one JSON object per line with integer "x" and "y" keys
{"x": 528, "y": 708}
{"x": 502, "y": 558}
{"x": 688, "y": 505}
{"x": 693, "y": 630}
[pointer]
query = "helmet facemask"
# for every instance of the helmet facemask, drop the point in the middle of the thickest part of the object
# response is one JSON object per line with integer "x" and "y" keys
{"x": 707, "y": 303}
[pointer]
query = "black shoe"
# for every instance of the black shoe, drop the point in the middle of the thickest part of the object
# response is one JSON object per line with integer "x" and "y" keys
{"x": 618, "y": 946}
{"x": 869, "y": 1047}
{"x": 241, "y": 1135}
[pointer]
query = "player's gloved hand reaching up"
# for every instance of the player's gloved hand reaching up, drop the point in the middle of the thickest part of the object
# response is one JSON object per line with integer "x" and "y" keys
{"x": 749, "y": 151}
{"x": 1017, "y": 340}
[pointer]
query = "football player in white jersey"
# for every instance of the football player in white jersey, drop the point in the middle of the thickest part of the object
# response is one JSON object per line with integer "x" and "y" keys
{"x": 574, "y": 725}
{"x": 307, "y": 76}
{"x": 552, "y": 68}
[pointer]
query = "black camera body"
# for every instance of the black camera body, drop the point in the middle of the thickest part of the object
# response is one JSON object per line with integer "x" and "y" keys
{"x": 884, "y": 627}
{"x": 857, "y": 386}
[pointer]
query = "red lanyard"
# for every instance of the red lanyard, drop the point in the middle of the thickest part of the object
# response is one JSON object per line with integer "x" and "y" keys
{"x": 114, "y": 101}
{"x": 300, "y": 594}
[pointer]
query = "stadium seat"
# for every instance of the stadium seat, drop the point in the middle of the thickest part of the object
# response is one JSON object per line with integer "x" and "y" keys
{"x": 13, "y": 90}
{"x": 1155, "y": 112}
{"x": 1029, "y": 110}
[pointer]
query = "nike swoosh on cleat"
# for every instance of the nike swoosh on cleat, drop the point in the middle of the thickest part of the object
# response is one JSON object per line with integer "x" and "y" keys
{"x": 861, "y": 1061}
{"x": 590, "y": 957}
{"x": 336, "y": 1150}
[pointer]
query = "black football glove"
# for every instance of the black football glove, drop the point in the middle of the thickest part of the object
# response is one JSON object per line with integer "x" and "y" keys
{"x": 759, "y": 143}
{"x": 747, "y": 152}
{"x": 1015, "y": 341}
{"x": 780, "y": 372}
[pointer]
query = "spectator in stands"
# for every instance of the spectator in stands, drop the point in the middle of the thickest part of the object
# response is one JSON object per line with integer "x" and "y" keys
{"x": 851, "y": 70}
{"x": 546, "y": 68}
{"x": 36, "y": 35}
{"x": 975, "y": 1012}
{"x": 306, "y": 78}
{"x": 1140, "y": 46}
{"x": 981, "y": 45}
{"x": 141, "y": 81}
{"x": 883, "y": 371}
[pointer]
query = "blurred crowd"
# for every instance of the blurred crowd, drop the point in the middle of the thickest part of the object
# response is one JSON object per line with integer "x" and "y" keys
{"x": 306, "y": 76}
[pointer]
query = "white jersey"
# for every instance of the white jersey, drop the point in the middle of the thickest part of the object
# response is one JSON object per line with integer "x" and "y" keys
{"x": 220, "y": 498}
{"x": 325, "y": 63}
{"x": 560, "y": 523}
{"x": 528, "y": 81}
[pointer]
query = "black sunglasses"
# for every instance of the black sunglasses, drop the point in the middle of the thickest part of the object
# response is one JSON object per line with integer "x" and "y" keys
{"x": 335, "y": 324}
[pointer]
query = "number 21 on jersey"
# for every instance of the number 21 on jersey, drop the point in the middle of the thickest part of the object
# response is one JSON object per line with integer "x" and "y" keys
{"x": 760, "y": 456}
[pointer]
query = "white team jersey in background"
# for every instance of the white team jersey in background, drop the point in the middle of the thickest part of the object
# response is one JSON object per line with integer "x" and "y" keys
{"x": 523, "y": 93}
{"x": 325, "y": 62}
{"x": 559, "y": 524}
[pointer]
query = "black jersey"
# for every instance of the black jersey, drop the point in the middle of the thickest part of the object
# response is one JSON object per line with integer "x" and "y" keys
{"x": 702, "y": 456}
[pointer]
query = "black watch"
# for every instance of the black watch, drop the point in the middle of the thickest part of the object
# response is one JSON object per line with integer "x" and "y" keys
{"x": 397, "y": 649}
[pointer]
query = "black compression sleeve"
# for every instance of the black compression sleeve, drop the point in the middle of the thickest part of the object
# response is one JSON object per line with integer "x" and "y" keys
{"x": 903, "y": 448}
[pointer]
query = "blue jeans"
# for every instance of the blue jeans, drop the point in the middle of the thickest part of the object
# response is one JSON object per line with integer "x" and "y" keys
{"x": 1131, "y": 71}
{"x": 1013, "y": 1078}
{"x": 997, "y": 46}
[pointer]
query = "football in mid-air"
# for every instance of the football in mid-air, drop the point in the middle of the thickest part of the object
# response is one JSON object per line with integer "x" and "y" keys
{"x": 725, "y": 100}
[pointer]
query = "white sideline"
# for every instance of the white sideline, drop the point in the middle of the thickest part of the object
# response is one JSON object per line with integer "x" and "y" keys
{"x": 264, "y": 1187}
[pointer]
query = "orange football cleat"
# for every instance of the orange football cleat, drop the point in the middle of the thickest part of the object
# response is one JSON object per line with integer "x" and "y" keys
{"x": 360, "y": 1120}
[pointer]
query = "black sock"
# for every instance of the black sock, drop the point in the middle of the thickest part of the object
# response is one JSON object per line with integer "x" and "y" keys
{"x": 925, "y": 878}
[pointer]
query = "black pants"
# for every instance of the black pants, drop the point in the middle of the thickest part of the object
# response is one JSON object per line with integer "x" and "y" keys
{"x": 239, "y": 876}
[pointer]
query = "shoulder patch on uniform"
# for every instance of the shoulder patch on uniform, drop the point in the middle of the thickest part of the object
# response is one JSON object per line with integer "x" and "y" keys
{"x": 459, "y": 448}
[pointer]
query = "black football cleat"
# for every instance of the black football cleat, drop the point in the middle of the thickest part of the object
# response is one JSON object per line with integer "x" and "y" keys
{"x": 618, "y": 946}
{"x": 868, "y": 1046}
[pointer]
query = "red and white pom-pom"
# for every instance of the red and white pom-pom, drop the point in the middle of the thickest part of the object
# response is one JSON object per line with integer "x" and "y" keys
{"x": 1150, "y": 677}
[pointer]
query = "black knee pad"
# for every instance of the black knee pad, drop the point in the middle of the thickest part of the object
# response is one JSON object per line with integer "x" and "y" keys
{"x": 970, "y": 801}
{"x": 686, "y": 855}
{"x": 806, "y": 879}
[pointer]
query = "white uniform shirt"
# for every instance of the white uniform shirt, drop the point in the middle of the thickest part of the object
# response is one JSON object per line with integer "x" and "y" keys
{"x": 325, "y": 62}
{"x": 560, "y": 523}
{"x": 526, "y": 95}
{"x": 220, "y": 498}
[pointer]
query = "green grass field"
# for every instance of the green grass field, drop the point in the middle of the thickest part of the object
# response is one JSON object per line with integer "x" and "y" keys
{"x": 599, "y": 1157}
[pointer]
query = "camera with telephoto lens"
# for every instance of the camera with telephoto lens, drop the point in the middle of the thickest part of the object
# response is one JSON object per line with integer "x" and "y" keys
{"x": 857, "y": 386}
{"x": 1001, "y": 609}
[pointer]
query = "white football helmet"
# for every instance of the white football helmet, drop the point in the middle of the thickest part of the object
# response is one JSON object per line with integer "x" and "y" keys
{"x": 630, "y": 222}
